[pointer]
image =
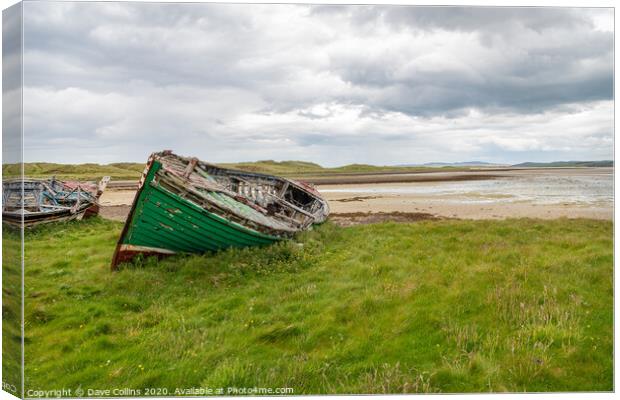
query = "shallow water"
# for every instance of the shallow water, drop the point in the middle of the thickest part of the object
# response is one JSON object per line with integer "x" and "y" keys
{"x": 587, "y": 189}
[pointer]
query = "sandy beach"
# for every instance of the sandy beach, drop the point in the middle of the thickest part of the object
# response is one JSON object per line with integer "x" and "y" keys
{"x": 443, "y": 206}
{"x": 522, "y": 193}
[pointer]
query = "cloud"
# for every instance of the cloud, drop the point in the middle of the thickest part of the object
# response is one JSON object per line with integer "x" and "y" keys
{"x": 11, "y": 85}
{"x": 334, "y": 84}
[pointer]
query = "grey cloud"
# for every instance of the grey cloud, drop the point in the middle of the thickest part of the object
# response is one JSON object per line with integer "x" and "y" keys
{"x": 219, "y": 75}
{"x": 203, "y": 44}
{"x": 11, "y": 84}
{"x": 496, "y": 20}
{"x": 223, "y": 46}
{"x": 487, "y": 19}
{"x": 553, "y": 57}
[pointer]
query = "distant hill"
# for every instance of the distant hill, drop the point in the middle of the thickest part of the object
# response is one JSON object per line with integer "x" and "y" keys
{"x": 274, "y": 167}
{"x": 456, "y": 164}
{"x": 132, "y": 171}
{"x": 118, "y": 171}
{"x": 604, "y": 163}
{"x": 296, "y": 169}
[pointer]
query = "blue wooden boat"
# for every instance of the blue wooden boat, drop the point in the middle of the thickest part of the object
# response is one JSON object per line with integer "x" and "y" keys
{"x": 36, "y": 201}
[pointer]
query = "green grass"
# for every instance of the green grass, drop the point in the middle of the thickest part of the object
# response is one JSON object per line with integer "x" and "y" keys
{"x": 11, "y": 313}
{"x": 436, "y": 306}
{"x": 118, "y": 171}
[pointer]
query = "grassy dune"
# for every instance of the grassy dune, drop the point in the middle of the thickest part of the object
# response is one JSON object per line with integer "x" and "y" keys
{"x": 118, "y": 171}
{"x": 301, "y": 168}
{"x": 436, "y": 306}
{"x": 131, "y": 171}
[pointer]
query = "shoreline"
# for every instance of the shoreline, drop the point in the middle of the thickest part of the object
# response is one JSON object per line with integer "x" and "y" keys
{"x": 350, "y": 179}
{"x": 385, "y": 199}
{"x": 429, "y": 213}
{"x": 437, "y": 175}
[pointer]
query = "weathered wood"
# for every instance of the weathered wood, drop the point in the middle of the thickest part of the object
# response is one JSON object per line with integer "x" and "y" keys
{"x": 190, "y": 167}
{"x": 35, "y": 201}
{"x": 101, "y": 186}
{"x": 249, "y": 207}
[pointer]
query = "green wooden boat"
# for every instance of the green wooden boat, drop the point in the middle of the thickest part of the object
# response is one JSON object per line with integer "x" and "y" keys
{"x": 184, "y": 205}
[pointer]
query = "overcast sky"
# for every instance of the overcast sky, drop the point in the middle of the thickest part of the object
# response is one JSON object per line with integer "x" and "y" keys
{"x": 107, "y": 82}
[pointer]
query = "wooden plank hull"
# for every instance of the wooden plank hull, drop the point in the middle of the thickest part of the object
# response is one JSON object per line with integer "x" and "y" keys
{"x": 163, "y": 222}
{"x": 16, "y": 221}
{"x": 39, "y": 201}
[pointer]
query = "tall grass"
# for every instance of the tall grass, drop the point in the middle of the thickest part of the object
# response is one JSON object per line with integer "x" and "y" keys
{"x": 436, "y": 306}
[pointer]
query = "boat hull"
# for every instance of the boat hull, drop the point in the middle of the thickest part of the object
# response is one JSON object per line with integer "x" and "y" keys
{"x": 30, "y": 202}
{"x": 15, "y": 220}
{"x": 162, "y": 223}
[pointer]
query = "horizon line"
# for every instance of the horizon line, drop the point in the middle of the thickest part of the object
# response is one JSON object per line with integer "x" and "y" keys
{"x": 401, "y": 165}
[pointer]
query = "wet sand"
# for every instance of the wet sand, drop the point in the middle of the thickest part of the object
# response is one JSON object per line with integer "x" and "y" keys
{"x": 441, "y": 206}
{"x": 396, "y": 200}
{"x": 522, "y": 193}
{"x": 343, "y": 179}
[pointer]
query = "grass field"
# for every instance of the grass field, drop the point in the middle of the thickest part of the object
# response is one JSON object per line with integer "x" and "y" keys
{"x": 130, "y": 171}
{"x": 11, "y": 314}
{"x": 435, "y": 306}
